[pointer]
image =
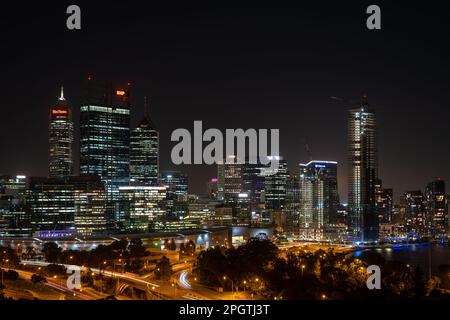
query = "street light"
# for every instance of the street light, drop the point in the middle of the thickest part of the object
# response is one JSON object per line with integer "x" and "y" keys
{"x": 232, "y": 286}
{"x": 303, "y": 268}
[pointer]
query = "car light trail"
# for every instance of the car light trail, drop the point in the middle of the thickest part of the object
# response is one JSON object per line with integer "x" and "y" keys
{"x": 182, "y": 279}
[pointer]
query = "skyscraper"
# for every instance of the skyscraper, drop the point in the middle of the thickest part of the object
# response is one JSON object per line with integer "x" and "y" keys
{"x": 177, "y": 191}
{"x": 275, "y": 186}
{"x": 105, "y": 142}
{"x": 363, "y": 173}
{"x": 50, "y": 203}
{"x": 437, "y": 208}
{"x": 144, "y": 152}
{"x": 60, "y": 138}
{"x": 14, "y": 218}
{"x": 384, "y": 202}
{"x": 229, "y": 185}
{"x": 319, "y": 200}
{"x": 413, "y": 205}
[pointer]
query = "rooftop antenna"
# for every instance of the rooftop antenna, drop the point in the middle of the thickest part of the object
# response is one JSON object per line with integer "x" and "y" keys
{"x": 61, "y": 98}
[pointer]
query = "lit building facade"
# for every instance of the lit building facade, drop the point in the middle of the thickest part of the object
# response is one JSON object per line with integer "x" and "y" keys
{"x": 105, "y": 144}
{"x": 437, "y": 208}
{"x": 319, "y": 200}
{"x": 363, "y": 173}
{"x": 90, "y": 205}
{"x": 384, "y": 202}
{"x": 144, "y": 153}
{"x": 51, "y": 205}
{"x": 60, "y": 138}
{"x": 229, "y": 185}
{"x": 275, "y": 186}
{"x": 177, "y": 192}
{"x": 14, "y": 218}
{"x": 413, "y": 207}
{"x": 141, "y": 205}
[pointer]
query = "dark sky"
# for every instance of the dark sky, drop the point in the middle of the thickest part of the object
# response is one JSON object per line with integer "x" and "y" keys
{"x": 235, "y": 65}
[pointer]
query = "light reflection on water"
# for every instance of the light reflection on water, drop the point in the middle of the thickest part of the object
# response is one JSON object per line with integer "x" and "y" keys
{"x": 416, "y": 255}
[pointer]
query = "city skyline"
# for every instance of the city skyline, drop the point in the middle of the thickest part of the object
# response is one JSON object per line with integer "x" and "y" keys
{"x": 297, "y": 83}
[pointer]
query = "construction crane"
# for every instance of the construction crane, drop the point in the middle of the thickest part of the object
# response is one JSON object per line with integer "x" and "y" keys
{"x": 350, "y": 103}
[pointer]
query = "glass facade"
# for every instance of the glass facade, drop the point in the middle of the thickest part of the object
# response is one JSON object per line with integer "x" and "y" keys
{"x": 144, "y": 153}
{"x": 105, "y": 150}
{"x": 363, "y": 173}
{"x": 319, "y": 200}
{"x": 141, "y": 205}
{"x": 51, "y": 205}
{"x": 60, "y": 137}
{"x": 177, "y": 191}
{"x": 14, "y": 219}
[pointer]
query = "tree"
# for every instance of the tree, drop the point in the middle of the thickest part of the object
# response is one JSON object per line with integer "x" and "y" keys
{"x": 163, "y": 269}
{"x": 419, "y": 283}
{"x": 171, "y": 245}
{"x": 137, "y": 250}
{"x": 55, "y": 270}
{"x": 52, "y": 252}
{"x": 35, "y": 278}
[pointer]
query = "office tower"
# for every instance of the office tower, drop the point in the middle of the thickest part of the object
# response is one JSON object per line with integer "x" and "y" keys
{"x": 140, "y": 206}
{"x": 144, "y": 153}
{"x": 14, "y": 219}
{"x": 253, "y": 183}
{"x": 105, "y": 142}
{"x": 90, "y": 205}
{"x": 384, "y": 202}
{"x": 229, "y": 174}
{"x": 60, "y": 138}
{"x": 319, "y": 200}
{"x": 275, "y": 186}
{"x": 362, "y": 173}
{"x": 51, "y": 206}
{"x": 437, "y": 208}
{"x": 413, "y": 206}
{"x": 292, "y": 207}
{"x": 177, "y": 191}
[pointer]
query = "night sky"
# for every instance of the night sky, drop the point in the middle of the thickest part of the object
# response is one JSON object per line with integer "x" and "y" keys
{"x": 258, "y": 65}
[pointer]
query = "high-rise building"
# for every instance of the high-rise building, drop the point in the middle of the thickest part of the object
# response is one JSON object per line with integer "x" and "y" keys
{"x": 144, "y": 153}
{"x": 413, "y": 205}
{"x": 363, "y": 173}
{"x": 319, "y": 200}
{"x": 229, "y": 185}
{"x": 105, "y": 142}
{"x": 177, "y": 191}
{"x": 14, "y": 218}
{"x": 90, "y": 205}
{"x": 140, "y": 206}
{"x": 60, "y": 138}
{"x": 253, "y": 183}
{"x": 437, "y": 208}
{"x": 292, "y": 206}
{"x": 51, "y": 205}
{"x": 275, "y": 185}
{"x": 384, "y": 202}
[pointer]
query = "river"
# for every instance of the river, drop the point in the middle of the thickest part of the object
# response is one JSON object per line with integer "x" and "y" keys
{"x": 416, "y": 255}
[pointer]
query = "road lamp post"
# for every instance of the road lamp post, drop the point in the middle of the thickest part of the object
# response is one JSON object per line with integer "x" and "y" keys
{"x": 232, "y": 286}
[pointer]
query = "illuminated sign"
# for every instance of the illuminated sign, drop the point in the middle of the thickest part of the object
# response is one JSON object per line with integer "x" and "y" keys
{"x": 59, "y": 112}
{"x": 120, "y": 93}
